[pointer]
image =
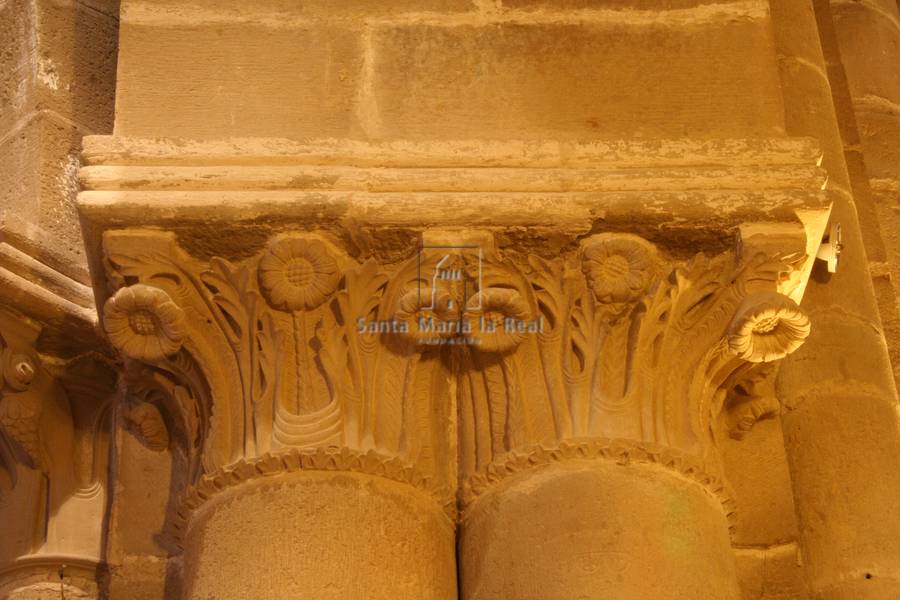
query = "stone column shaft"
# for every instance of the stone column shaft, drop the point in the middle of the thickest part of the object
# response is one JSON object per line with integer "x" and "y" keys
{"x": 841, "y": 426}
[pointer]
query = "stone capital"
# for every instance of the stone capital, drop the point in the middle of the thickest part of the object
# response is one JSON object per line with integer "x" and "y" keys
{"x": 441, "y": 315}
{"x": 56, "y": 385}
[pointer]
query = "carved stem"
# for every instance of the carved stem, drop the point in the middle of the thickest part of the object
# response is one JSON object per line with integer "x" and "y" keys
{"x": 303, "y": 363}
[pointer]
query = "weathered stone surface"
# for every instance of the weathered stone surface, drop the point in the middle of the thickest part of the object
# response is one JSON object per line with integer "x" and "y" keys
{"x": 869, "y": 39}
{"x": 614, "y": 523}
{"x": 59, "y": 143}
{"x": 17, "y": 49}
{"x": 58, "y": 71}
{"x": 879, "y": 128}
{"x": 310, "y": 71}
{"x": 644, "y": 5}
{"x": 234, "y": 552}
{"x": 76, "y": 62}
{"x": 228, "y": 340}
{"x": 433, "y": 76}
{"x": 771, "y": 573}
{"x": 757, "y": 470}
{"x": 320, "y": 10}
{"x": 525, "y": 76}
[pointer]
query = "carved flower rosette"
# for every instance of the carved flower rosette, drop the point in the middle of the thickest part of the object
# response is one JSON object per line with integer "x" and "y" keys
{"x": 619, "y": 267}
{"x": 297, "y": 273}
{"x": 144, "y": 323}
{"x": 768, "y": 326}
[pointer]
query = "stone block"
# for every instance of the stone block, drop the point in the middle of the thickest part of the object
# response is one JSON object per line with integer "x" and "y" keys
{"x": 809, "y": 111}
{"x": 289, "y": 9}
{"x": 654, "y": 5}
{"x": 824, "y": 435}
{"x": 57, "y": 64}
{"x": 772, "y": 573}
{"x": 564, "y": 78}
{"x": 879, "y": 127}
{"x": 239, "y": 79}
{"x": 76, "y": 65}
{"x": 38, "y": 183}
{"x": 17, "y": 57}
{"x": 20, "y": 157}
{"x": 143, "y": 495}
{"x": 140, "y": 578}
{"x": 432, "y": 76}
{"x": 756, "y": 468}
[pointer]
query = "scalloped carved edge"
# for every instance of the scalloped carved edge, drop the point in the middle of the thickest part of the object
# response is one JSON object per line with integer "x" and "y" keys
{"x": 308, "y": 459}
{"x": 621, "y": 451}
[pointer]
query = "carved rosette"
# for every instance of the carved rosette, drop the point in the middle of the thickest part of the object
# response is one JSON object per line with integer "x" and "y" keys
{"x": 635, "y": 347}
{"x": 619, "y": 267}
{"x": 767, "y": 327}
{"x": 300, "y": 347}
{"x": 266, "y": 355}
{"x": 297, "y": 273}
{"x": 143, "y": 322}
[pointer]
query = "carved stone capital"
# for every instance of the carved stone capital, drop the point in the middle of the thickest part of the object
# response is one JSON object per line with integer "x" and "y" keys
{"x": 267, "y": 354}
{"x": 56, "y": 387}
{"x": 421, "y": 312}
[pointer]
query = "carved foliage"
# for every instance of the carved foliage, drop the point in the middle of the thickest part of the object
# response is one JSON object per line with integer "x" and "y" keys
{"x": 750, "y": 397}
{"x": 300, "y": 346}
{"x": 273, "y": 354}
{"x": 629, "y": 348}
{"x": 53, "y": 418}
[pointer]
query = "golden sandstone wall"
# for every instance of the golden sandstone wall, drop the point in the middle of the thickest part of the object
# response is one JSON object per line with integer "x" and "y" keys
{"x": 213, "y": 382}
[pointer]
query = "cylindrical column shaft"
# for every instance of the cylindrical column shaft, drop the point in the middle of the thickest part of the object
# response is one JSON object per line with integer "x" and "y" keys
{"x": 841, "y": 428}
{"x": 323, "y": 535}
{"x": 596, "y": 529}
